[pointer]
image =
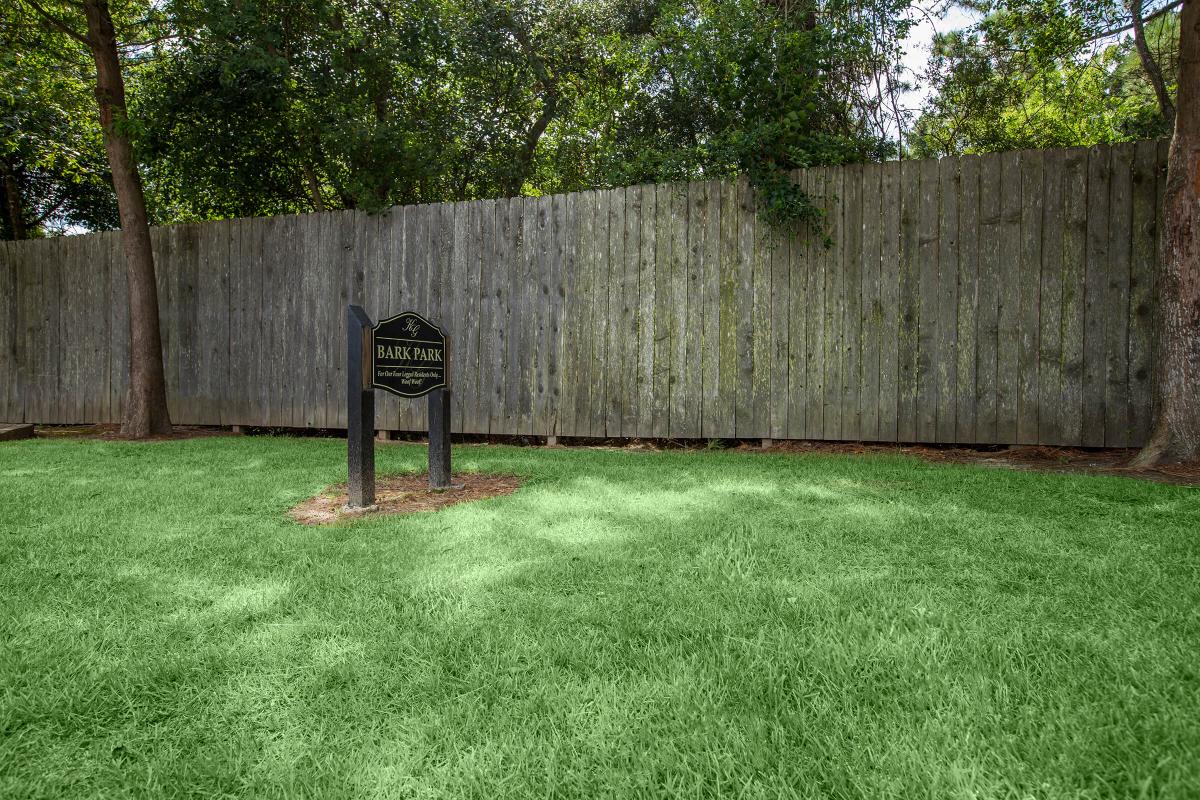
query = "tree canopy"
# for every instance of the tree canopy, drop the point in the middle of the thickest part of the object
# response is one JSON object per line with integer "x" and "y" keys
{"x": 260, "y": 107}
{"x": 271, "y": 106}
{"x": 1048, "y": 73}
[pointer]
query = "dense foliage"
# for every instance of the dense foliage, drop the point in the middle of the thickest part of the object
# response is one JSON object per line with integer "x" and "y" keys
{"x": 53, "y": 170}
{"x": 259, "y": 107}
{"x": 249, "y": 108}
{"x": 1045, "y": 73}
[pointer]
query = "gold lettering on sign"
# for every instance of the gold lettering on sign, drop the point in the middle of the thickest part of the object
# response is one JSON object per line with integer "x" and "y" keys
{"x": 385, "y": 352}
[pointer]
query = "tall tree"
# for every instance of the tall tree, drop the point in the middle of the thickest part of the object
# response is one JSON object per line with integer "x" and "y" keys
{"x": 146, "y": 397}
{"x": 1176, "y": 435}
{"x": 53, "y": 170}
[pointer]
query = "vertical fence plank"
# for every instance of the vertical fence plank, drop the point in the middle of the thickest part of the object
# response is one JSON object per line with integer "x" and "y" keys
{"x": 1050, "y": 301}
{"x": 65, "y": 399}
{"x": 276, "y": 294}
{"x": 300, "y": 324}
{"x": 426, "y": 292}
{"x": 346, "y": 286}
{"x": 326, "y": 268}
{"x": 927, "y": 315}
{"x": 491, "y": 377}
{"x": 212, "y": 289}
{"x": 851, "y": 302}
{"x": 1160, "y": 198}
{"x": 814, "y": 406}
{"x": 889, "y": 297}
{"x": 630, "y": 299}
{"x": 1094, "y": 311}
{"x": 834, "y": 303}
{"x": 399, "y": 411}
{"x": 377, "y": 299}
{"x": 670, "y": 340}
{"x": 799, "y": 255}
{"x": 93, "y": 286}
{"x": 539, "y": 311}
{"x": 25, "y": 261}
{"x": 682, "y": 412}
{"x": 1143, "y": 261}
{"x": 601, "y": 314}
{"x": 947, "y": 302}
{"x": 744, "y": 304}
{"x": 91, "y": 277}
{"x": 647, "y": 323}
{"x": 118, "y": 360}
{"x": 11, "y": 389}
{"x": 456, "y": 230}
{"x": 584, "y": 285}
{"x": 104, "y": 265}
{"x": 515, "y": 360}
{"x": 54, "y": 280}
{"x": 690, "y": 377}
{"x": 727, "y": 312}
{"x": 256, "y": 301}
{"x": 572, "y": 318}
{"x": 1008, "y": 309}
{"x": 779, "y": 301}
{"x": 596, "y": 239}
{"x": 1028, "y": 291}
{"x": 709, "y": 229}
{"x": 1116, "y": 299}
{"x": 760, "y": 326}
{"x": 81, "y": 324}
{"x": 614, "y": 263}
{"x": 27, "y": 277}
{"x": 872, "y": 310}
{"x": 271, "y": 314}
{"x": 556, "y": 299}
{"x": 487, "y": 370}
{"x": 909, "y": 322}
{"x": 968, "y": 300}
{"x": 987, "y": 329}
{"x": 1075, "y": 196}
{"x": 474, "y": 417}
{"x": 498, "y": 347}
{"x": 235, "y": 405}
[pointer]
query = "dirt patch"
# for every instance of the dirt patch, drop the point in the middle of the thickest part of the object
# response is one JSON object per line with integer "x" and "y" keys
{"x": 403, "y": 494}
{"x": 1114, "y": 462}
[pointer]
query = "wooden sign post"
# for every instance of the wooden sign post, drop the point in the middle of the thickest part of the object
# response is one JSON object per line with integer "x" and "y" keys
{"x": 408, "y": 356}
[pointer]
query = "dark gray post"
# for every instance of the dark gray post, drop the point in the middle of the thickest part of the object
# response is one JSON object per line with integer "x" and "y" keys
{"x": 360, "y": 410}
{"x": 439, "y": 438}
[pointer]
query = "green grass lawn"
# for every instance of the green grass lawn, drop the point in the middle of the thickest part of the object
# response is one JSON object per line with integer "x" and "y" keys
{"x": 628, "y": 624}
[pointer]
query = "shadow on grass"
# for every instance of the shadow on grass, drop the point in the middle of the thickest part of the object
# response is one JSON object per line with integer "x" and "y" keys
{"x": 652, "y": 624}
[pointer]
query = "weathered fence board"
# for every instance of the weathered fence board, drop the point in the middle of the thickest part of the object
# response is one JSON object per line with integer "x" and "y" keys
{"x": 1002, "y": 298}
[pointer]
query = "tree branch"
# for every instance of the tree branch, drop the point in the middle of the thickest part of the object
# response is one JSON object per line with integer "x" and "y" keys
{"x": 1149, "y": 65}
{"x": 1134, "y": 22}
{"x": 56, "y": 22}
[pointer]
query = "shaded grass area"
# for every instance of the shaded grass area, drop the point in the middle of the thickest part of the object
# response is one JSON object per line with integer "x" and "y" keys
{"x": 677, "y": 624}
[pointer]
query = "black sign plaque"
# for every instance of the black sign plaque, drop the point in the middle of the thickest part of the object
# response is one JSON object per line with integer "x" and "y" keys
{"x": 408, "y": 355}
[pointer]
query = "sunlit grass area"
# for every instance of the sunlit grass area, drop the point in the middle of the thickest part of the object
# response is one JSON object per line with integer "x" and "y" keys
{"x": 628, "y": 624}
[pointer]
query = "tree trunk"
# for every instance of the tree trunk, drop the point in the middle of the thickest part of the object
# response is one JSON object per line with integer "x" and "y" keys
{"x": 1149, "y": 65}
{"x": 14, "y": 202}
{"x": 1176, "y": 435}
{"x": 146, "y": 398}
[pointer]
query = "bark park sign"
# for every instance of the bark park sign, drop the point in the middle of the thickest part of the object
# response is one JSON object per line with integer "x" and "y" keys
{"x": 408, "y": 355}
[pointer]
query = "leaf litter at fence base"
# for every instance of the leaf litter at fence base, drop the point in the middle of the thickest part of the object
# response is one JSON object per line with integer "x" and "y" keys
{"x": 403, "y": 494}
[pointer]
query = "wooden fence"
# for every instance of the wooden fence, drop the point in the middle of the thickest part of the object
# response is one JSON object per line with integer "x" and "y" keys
{"x": 1005, "y": 298}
